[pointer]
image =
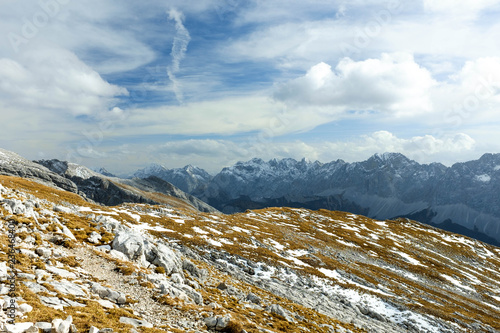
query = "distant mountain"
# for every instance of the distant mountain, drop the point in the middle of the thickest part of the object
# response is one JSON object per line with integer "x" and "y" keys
{"x": 97, "y": 187}
{"x": 104, "y": 172}
{"x": 464, "y": 198}
{"x": 189, "y": 179}
{"x": 115, "y": 191}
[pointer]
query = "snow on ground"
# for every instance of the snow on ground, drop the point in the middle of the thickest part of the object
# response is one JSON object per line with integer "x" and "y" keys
{"x": 456, "y": 282}
{"x": 483, "y": 178}
{"x": 326, "y": 232}
{"x": 275, "y": 244}
{"x": 238, "y": 229}
{"x": 136, "y": 217}
{"x": 412, "y": 261}
{"x": 200, "y": 231}
{"x": 346, "y": 243}
{"x": 376, "y": 305}
{"x": 297, "y": 253}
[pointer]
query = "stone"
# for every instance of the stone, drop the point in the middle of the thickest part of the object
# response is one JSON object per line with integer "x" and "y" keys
{"x": 25, "y": 308}
{"x": 193, "y": 270}
{"x": 251, "y": 297}
{"x": 177, "y": 278}
{"x": 62, "y": 326}
{"x": 278, "y": 310}
{"x": 44, "y": 327}
{"x": 67, "y": 287}
{"x": 135, "y": 322}
{"x": 62, "y": 209}
{"x": 163, "y": 256}
{"x": 60, "y": 272}
{"x": 129, "y": 244}
{"x": 68, "y": 233}
{"x": 18, "y": 327}
{"x": 94, "y": 237}
{"x": 218, "y": 323}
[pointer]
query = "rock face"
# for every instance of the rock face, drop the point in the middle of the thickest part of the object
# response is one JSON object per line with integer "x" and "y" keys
{"x": 188, "y": 179}
{"x": 462, "y": 198}
{"x": 12, "y": 164}
{"x": 114, "y": 191}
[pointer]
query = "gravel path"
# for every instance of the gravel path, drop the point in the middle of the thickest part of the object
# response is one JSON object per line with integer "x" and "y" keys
{"x": 151, "y": 311}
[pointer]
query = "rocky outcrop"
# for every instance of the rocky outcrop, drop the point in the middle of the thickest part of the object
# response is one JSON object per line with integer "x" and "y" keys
{"x": 12, "y": 164}
{"x": 112, "y": 191}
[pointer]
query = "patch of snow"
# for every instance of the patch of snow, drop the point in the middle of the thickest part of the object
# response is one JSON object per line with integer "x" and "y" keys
{"x": 298, "y": 261}
{"x": 326, "y": 232}
{"x": 297, "y": 253}
{"x": 410, "y": 259}
{"x": 264, "y": 273}
{"x": 180, "y": 221}
{"x": 238, "y": 229}
{"x": 84, "y": 209}
{"x": 456, "y": 282}
{"x": 346, "y": 243}
{"x": 381, "y": 223}
{"x": 496, "y": 168}
{"x": 483, "y": 178}
{"x": 200, "y": 231}
{"x": 188, "y": 236}
{"x": 215, "y": 231}
{"x": 347, "y": 227}
{"x": 226, "y": 241}
{"x": 330, "y": 273}
{"x": 276, "y": 244}
{"x": 212, "y": 241}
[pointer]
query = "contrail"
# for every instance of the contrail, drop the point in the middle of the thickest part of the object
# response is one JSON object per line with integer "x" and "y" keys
{"x": 179, "y": 48}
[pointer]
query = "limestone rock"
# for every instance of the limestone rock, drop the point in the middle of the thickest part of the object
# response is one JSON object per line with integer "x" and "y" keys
{"x": 135, "y": 322}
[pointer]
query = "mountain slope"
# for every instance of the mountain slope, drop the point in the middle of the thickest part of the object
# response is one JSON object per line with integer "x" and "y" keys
{"x": 114, "y": 191}
{"x": 188, "y": 179}
{"x": 271, "y": 270}
{"x": 462, "y": 198}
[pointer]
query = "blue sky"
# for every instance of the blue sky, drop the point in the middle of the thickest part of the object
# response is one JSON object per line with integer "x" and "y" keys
{"x": 122, "y": 84}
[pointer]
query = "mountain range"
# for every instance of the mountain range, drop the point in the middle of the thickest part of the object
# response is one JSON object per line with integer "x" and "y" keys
{"x": 463, "y": 198}
{"x": 81, "y": 266}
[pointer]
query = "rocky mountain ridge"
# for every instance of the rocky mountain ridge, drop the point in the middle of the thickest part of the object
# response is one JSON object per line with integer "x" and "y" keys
{"x": 95, "y": 186}
{"x": 462, "y": 198}
{"x": 83, "y": 267}
{"x": 188, "y": 178}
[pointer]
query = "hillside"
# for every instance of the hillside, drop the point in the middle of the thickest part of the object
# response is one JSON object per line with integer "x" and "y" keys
{"x": 166, "y": 268}
{"x": 462, "y": 198}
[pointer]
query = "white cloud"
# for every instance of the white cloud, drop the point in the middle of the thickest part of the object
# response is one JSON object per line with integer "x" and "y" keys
{"x": 55, "y": 80}
{"x": 179, "y": 48}
{"x": 394, "y": 83}
{"x": 464, "y": 9}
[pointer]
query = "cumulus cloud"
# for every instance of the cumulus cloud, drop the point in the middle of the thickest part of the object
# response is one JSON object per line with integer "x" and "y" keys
{"x": 394, "y": 83}
{"x": 179, "y": 48}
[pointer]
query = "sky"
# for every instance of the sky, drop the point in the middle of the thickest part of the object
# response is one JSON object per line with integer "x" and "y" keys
{"x": 122, "y": 84}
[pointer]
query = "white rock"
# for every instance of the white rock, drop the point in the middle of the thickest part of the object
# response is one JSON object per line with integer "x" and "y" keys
{"x": 68, "y": 233}
{"x": 94, "y": 237}
{"x": 177, "y": 278}
{"x": 62, "y": 326}
{"x": 25, "y": 308}
{"x": 61, "y": 272}
{"x": 135, "y": 322}
{"x": 18, "y": 327}
{"x": 93, "y": 329}
{"x": 62, "y": 209}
